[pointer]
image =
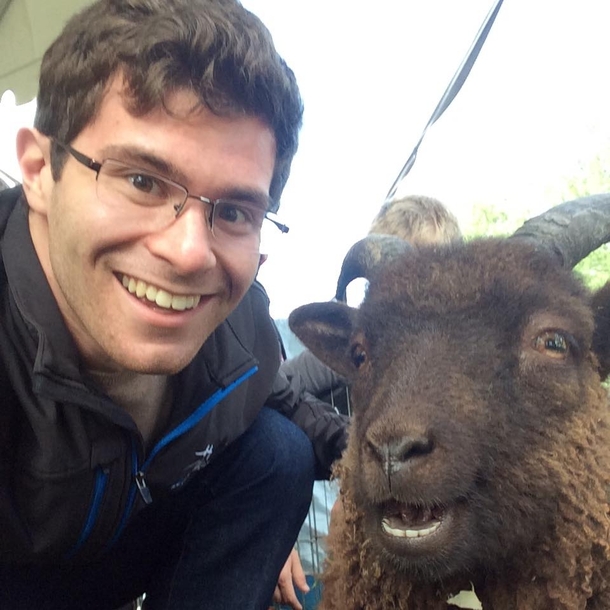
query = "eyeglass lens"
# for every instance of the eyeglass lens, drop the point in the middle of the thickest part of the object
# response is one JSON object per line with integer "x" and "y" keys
{"x": 156, "y": 201}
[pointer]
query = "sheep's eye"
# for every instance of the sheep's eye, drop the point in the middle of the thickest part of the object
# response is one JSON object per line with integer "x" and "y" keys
{"x": 358, "y": 355}
{"x": 552, "y": 343}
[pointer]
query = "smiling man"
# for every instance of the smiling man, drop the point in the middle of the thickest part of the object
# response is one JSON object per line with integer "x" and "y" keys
{"x": 98, "y": 228}
{"x": 136, "y": 350}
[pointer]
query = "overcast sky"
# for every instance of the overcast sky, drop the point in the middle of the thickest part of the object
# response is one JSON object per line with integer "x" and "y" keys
{"x": 535, "y": 107}
{"x": 536, "y": 104}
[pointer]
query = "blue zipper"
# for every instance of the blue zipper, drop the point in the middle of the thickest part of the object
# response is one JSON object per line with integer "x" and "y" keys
{"x": 139, "y": 481}
{"x": 101, "y": 479}
{"x": 196, "y": 416}
{"x": 130, "y": 498}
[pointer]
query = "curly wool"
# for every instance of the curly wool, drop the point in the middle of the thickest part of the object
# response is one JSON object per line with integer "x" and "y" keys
{"x": 569, "y": 569}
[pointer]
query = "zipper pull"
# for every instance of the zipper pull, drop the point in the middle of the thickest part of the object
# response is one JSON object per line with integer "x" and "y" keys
{"x": 143, "y": 488}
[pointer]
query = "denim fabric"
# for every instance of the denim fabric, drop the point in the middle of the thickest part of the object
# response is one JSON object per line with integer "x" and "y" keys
{"x": 219, "y": 544}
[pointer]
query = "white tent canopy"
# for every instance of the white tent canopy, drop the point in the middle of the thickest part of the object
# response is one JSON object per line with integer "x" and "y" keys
{"x": 27, "y": 28}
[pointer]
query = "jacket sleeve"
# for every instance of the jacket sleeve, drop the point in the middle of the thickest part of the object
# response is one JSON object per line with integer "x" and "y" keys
{"x": 326, "y": 428}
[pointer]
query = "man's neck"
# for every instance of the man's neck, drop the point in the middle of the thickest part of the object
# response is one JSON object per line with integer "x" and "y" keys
{"x": 147, "y": 398}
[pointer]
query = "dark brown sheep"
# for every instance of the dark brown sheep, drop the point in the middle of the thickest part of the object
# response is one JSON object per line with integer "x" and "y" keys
{"x": 479, "y": 452}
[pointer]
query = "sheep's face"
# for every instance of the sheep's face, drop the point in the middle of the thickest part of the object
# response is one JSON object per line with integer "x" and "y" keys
{"x": 467, "y": 365}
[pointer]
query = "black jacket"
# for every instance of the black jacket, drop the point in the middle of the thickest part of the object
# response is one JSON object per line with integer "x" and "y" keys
{"x": 313, "y": 377}
{"x": 73, "y": 470}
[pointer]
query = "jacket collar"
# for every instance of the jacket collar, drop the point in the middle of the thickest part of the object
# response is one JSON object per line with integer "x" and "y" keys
{"x": 56, "y": 351}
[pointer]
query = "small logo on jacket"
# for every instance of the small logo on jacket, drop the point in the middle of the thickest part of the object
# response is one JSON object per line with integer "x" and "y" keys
{"x": 203, "y": 459}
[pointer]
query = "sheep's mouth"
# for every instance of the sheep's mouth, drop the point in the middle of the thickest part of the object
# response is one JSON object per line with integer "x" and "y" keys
{"x": 410, "y": 521}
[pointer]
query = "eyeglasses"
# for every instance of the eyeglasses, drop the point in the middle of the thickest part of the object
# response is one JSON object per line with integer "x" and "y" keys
{"x": 233, "y": 223}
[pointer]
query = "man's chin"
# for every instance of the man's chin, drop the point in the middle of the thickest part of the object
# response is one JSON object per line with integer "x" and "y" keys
{"x": 162, "y": 360}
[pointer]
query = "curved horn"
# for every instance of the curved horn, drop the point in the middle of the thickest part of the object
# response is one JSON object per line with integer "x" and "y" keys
{"x": 365, "y": 255}
{"x": 572, "y": 230}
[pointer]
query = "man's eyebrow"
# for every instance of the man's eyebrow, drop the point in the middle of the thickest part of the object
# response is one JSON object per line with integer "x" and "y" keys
{"x": 254, "y": 196}
{"x": 145, "y": 160}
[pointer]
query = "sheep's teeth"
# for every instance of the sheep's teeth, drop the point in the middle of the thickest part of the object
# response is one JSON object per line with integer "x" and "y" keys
{"x": 407, "y": 533}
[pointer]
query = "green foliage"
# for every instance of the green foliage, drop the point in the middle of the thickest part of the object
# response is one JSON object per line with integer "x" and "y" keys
{"x": 591, "y": 177}
{"x": 491, "y": 220}
{"x": 595, "y": 269}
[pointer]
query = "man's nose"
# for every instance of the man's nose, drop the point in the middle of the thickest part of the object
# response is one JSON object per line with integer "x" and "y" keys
{"x": 187, "y": 242}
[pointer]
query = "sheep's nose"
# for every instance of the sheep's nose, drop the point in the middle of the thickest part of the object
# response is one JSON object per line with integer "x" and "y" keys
{"x": 398, "y": 453}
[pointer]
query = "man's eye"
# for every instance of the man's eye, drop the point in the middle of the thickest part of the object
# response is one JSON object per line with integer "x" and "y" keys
{"x": 239, "y": 214}
{"x": 232, "y": 213}
{"x": 144, "y": 183}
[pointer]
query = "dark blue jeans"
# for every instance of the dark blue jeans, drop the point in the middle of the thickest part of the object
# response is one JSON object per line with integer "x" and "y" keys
{"x": 218, "y": 544}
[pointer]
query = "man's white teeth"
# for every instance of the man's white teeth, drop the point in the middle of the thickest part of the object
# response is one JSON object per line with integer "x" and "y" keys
{"x": 160, "y": 297}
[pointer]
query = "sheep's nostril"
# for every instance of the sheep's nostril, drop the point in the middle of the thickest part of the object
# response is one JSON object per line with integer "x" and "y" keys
{"x": 397, "y": 453}
{"x": 406, "y": 448}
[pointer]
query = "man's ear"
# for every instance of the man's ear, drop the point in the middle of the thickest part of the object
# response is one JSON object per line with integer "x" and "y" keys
{"x": 33, "y": 153}
{"x": 262, "y": 258}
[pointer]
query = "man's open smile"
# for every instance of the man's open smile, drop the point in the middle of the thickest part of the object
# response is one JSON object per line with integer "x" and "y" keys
{"x": 158, "y": 296}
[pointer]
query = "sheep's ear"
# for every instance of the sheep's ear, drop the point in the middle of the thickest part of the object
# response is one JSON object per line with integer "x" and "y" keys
{"x": 326, "y": 329}
{"x": 601, "y": 336}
